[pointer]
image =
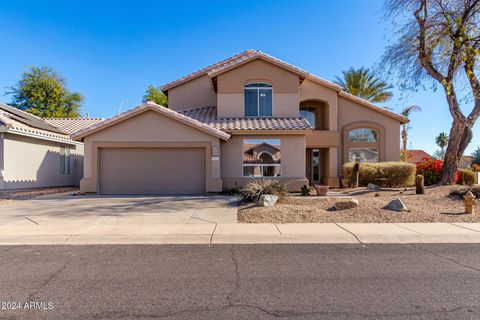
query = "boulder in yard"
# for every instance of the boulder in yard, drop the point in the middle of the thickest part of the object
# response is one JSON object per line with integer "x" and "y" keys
{"x": 267, "y": 200}
{"x": 373, "y": 187}
{"x": 346, "y": 204}
{"x": 396, "y": 205}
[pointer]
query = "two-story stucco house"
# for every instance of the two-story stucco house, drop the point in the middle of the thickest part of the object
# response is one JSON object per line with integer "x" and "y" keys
{"x": 249, "y": 116}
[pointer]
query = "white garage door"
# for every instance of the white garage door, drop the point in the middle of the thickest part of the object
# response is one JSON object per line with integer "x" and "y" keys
{"x": 152, "y": 171}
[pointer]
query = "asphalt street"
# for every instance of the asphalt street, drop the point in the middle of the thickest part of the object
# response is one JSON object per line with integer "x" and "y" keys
{"x": 240, "y": 282}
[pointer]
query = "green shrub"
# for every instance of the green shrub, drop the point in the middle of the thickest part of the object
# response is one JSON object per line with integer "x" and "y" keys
{"x": 384, "y": 174}
{"x": 255, "y": 188}
{"x": 466, "y": 177}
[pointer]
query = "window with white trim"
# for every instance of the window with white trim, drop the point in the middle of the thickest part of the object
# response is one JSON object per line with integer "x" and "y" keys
{"x": 363, "y": 145}
{"x": 258, "y": 100}
{"x": 262, "y": 158}
{"x": 65, "y": 160}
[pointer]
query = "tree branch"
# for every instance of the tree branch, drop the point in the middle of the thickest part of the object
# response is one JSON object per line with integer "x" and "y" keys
{"x": 424, "y": 54}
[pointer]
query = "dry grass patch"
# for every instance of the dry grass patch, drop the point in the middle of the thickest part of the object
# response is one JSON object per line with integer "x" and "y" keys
{"x": 435, "y": 206}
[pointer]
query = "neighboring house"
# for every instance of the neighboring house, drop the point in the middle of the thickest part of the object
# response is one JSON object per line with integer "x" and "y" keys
{"x": 37, "y": 152}
{"x": 249, "y": 116}
{"x": 465, "y": 162}
{"x": 415, "y": 156}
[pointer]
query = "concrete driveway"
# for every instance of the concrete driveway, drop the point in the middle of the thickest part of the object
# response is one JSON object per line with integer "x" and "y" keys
{"x": 91, "y": 212}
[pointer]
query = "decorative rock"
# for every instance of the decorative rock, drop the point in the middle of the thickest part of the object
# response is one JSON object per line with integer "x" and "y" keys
{"x": 396, "y": 205}
{"x": 346, "y": 204}
{"x": 267, "y": 200}
{"x": 373, "y": 187}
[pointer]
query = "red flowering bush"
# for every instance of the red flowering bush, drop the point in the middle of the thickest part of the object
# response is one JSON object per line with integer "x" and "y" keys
{"x": 431, "y": 170}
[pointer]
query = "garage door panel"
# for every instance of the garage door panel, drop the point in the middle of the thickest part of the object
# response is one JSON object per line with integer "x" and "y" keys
{"x": 152, "y": 171}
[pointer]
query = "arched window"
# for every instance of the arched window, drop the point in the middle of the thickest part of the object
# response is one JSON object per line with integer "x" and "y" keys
{"x": 363, "y": 135}
{"x": 363, "y": 145}
{"x": 266, "y": 158}
{"x": 258, "y": 100}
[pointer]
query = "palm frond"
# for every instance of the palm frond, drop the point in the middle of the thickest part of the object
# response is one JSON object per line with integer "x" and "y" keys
{"x": 363, "y": 83}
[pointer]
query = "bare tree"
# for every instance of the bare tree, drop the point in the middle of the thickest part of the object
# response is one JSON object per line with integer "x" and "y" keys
{"x": 439, "y": 40}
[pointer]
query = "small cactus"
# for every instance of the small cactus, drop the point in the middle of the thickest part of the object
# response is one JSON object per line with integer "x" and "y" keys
{"x": 419, "y": 184}
{"x": 355, "y": 174}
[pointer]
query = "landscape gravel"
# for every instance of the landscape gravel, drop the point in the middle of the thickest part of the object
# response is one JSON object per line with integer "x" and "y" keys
{"x": 434, "y": 206}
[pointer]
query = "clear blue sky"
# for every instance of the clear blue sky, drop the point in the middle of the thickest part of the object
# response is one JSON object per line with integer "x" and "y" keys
{"x": 112, "y": 50}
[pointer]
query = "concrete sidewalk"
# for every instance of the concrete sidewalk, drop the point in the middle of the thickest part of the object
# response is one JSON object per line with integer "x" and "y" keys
{"x": 210, "y": 233}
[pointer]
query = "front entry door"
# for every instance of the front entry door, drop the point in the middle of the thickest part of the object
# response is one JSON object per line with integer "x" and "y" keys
{"x": 312, "y": 167}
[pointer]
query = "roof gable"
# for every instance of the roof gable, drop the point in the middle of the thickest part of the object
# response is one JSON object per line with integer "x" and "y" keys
{"x": 150, "y": 106}
{"x": 249, "y": 55}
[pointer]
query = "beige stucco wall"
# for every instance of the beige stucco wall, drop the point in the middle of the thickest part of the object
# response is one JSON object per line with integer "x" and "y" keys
{"x": 310, "y": 90}
{"x": 292, "y": 154}
{"x": 196, "y": 93}
{"x": 288, "y": 94}
{"x": 150, "y": 130}
{"x": 350, "y": 112}
{"x": 230, "y": 97}
{"x": 32, "y": 163}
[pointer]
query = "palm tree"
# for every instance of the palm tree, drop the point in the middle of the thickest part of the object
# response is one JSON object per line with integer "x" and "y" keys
{"x": 407, "y": 112}
{"x": 442, "y": 141}
{"x": 363, "y": 83}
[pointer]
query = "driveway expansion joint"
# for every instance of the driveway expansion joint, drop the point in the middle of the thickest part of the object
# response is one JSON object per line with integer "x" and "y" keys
{"x": 456, "y": 225}
{"x": 353, "y": 234}
{"x": 405, "y": 228}
{"x": 276, "y": 226}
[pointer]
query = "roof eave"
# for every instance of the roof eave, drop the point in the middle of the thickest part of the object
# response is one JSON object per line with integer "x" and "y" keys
{"x": 156, "y": 108}
{"x": 39, "y": 136}
{"x": 270, "y": 131}
{"x": 263, "y": 57}
{"x": 365, "y": 103}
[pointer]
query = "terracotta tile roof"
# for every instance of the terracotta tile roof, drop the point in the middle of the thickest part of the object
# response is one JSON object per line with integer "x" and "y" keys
{"x": 417, "y": 155}
{"x": 249, "y": 55}
{"x": 157, "y": 108}
{"x": 208, "y": 115}
{"x": 20, "y": 122}
{"x": 205, "y": 70}
{"x": 72, "y": 125}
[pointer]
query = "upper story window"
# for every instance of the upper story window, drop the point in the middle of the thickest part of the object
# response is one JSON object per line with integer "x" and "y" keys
{"x": 258, "y": 100}
{"x": 310, "y": 115}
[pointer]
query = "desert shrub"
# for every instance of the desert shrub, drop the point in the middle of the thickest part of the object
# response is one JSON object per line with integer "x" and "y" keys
{"x": 255, "y": 188}
{"x": 384, "y": 174}
{"x": 431, "y": 169}
{"x": 233, "y": 191}
{"x": 306, "y": 190}
{"x": 466, "y": 177}
{"x": 461, "y": 191}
